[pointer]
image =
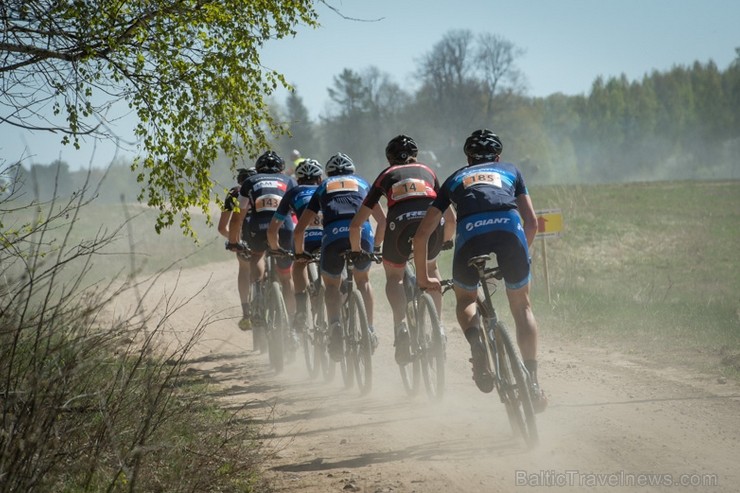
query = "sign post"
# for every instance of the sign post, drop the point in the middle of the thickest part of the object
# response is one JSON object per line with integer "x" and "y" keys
{"x": 549, "y": 224}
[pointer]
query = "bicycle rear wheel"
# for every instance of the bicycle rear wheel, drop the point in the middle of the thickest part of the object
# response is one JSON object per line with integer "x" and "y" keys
{"x": 346, "y": 362}
{"x": 277, "y": 322}
{"x": 323, "y": 362}
{"x": 257, "y": 317}
{"x": 362, "y": 351}
{"x": 411, "y": 371}
{"x": 433, "y": 347}
{"x": 514, "y": 389}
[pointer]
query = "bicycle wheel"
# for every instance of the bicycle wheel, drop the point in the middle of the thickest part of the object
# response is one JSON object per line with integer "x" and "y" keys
{"x": 257, "y": 317}
{"x": 323, "y": 364}
{"x": 346, "y": 362}
{"x": 277, "y": 321}
{"x": 411, "y": 372}
{"x": 362, "y": 350}
{"x": 308, "y": 343}
{"x": 514, "y": 389}
{"x": 433, "y": 347}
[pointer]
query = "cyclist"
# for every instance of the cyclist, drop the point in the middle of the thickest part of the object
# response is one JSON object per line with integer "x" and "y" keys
{"x": 494, "y": 215}
{"x": 295, "y": 201}
{"x": 260, "y": 195}
{"x": 409, "y": 187}
{"x": 338, "y": 198}
{"x": 231, "y": 203}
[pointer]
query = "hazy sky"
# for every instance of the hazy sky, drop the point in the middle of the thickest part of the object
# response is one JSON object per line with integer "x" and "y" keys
{"x": 567, "y": 43}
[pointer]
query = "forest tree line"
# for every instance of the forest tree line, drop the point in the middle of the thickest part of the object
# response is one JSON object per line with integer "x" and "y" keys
{"x": 683, "y": 123}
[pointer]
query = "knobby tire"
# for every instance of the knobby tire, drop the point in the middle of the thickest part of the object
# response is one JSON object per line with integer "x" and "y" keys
{"x": 433, "y": 345}
{"x": 362, "y": 351}
{"x": 516, "y": 392}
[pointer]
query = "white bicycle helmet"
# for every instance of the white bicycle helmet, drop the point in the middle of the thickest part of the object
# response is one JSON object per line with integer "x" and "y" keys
{"x": 339, "y": 164}
{"x": 309, "y": 169}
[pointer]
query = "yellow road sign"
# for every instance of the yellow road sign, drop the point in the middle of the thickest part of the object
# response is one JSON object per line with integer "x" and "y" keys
{"x": 549, "y": 222}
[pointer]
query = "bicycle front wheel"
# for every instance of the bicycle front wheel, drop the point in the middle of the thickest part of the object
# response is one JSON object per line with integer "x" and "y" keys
{"x": 277, "y": 322}
{"x": 514, "y": 390}
{"x": 433, "y": 347}
{"x": 359, "y": 339}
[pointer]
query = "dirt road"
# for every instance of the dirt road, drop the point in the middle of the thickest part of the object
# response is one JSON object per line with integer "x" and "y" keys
{"x": 614, "y": 423}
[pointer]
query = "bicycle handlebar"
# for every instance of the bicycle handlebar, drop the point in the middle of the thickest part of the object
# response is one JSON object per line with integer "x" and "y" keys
{"x": 361, "y": 255}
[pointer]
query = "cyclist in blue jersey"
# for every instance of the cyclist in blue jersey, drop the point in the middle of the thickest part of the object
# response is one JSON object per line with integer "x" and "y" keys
{"x": 494, "y": 215}
{"x": 338, "y": 198}
{"x": 231, "y": 204}
{"x": 308, "y": 173}
{"x": 260, "y": 196}
{"x": 409, "y": 187}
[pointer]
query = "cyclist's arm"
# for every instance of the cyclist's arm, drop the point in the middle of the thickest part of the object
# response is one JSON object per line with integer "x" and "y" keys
{"x": 223, "y": 224}
{"x": 450, "y": 222}
{"x": 235, "y": 223}
{"x": 379, "y": 216}
{"x": 528, "y": 215}
{"x": 355, "y": 227}
{"x": 306, "y": 218}
{"x": 272, "y": 233}
{"x": 421, "y": 239}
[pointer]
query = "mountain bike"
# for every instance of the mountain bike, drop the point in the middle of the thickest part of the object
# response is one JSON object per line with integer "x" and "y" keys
{"x": 511, "y": 379}
{"x": 269, "y": 316}
{"x": 427, "y": 340}
{"x": 315, "y": 334}
{"x": 356, "y": 362}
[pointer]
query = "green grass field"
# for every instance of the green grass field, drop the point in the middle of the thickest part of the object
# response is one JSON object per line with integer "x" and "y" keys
{"x": 650, "y": 268}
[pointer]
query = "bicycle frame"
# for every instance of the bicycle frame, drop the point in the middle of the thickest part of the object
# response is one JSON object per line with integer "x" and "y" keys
{"x": 511, "y": 379}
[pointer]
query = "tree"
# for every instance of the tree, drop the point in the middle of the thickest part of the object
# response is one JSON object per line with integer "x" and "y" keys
{"x": 496, "y": 57}
{"x": 189, "y": 69}
{"x": 300, "y": 125}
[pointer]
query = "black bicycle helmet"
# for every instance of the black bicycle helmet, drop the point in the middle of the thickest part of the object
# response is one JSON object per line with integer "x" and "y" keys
{"x": 244, "y": 173}
{"x": 483, "y": 145}
{"x": 400, "y": 149}
{"x": 269, "y": 162}
{"x": 339, "y": 164}
{"x": 309, "y": 169}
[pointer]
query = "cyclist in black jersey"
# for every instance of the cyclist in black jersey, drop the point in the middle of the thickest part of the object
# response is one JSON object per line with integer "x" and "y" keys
{"x": 409, "y": 187}
{"x": 308, "y": 173}
{"x": 494, "y": 215}
{"x": 260, "y": 196}
{"x": 231, "y": 204}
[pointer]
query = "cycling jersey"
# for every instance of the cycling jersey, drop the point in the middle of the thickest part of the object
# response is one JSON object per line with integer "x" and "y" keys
{"x": 402, "y": 183}
{"x": 232, "y": 199}
{"x": 483, "y": 187}
{"x": 338, "y": 199}
{"x": 262, "y": 193}
{"x": 409, "y": 189}
{"x": 230, "y": 203}
{"x": 484, "y": 196}
{"x": 295, "y": 202}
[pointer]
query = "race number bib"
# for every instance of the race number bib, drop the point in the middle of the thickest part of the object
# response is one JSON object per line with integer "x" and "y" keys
{"x": 484, "y": 178}
{"x": 267, "y": 202}
{"x": 343, "y": 185}
{"x": 410, "y": 187}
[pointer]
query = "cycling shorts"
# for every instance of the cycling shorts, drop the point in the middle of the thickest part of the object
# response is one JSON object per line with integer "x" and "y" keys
{"x": 497, "y": 232}
{"x": 312, "y": 240}
{"x": 336, "y": 242}
{"x": 257, "y": 242}
{"x": 399, "y": 231}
